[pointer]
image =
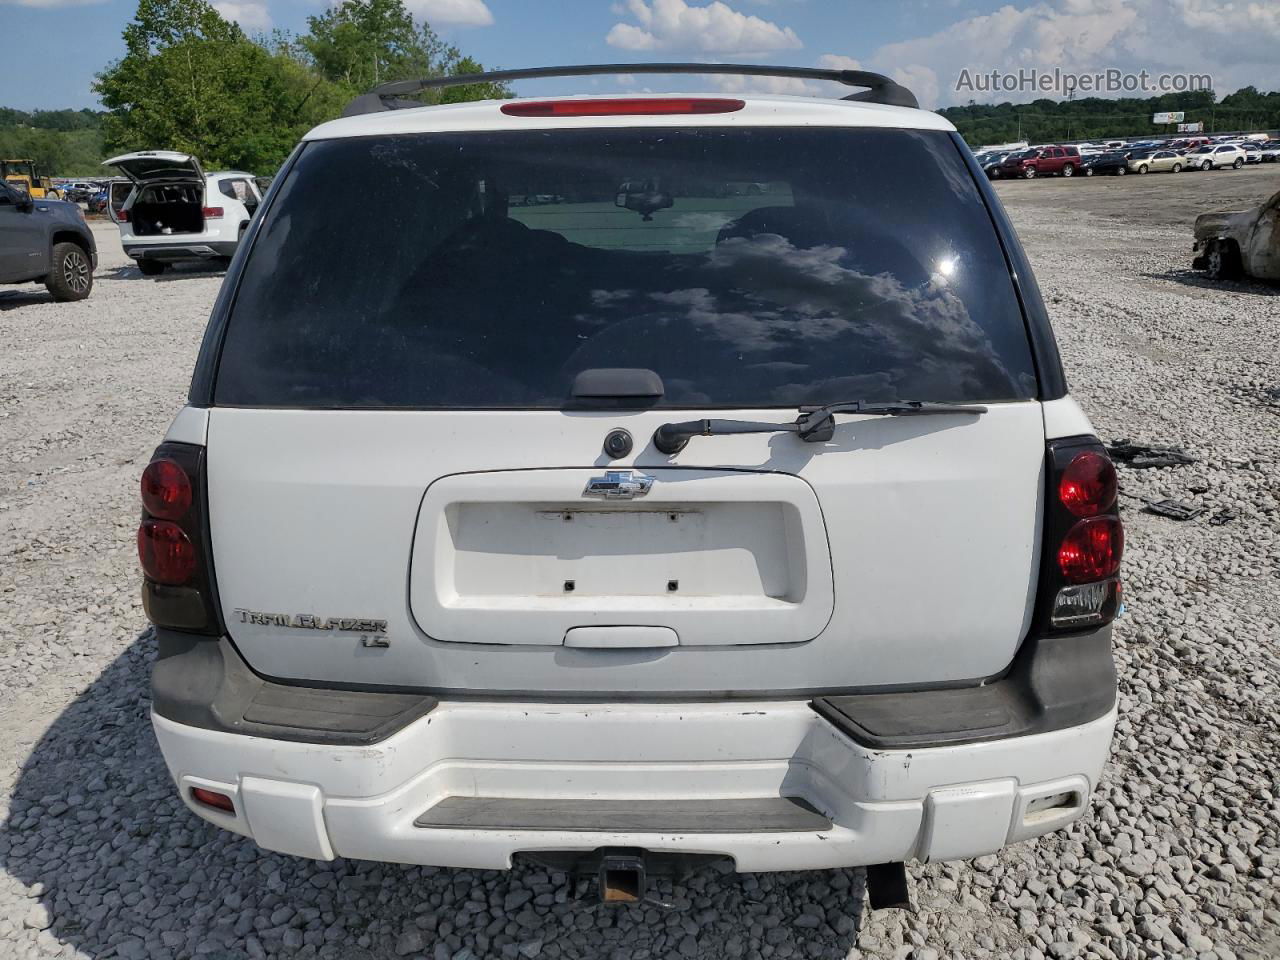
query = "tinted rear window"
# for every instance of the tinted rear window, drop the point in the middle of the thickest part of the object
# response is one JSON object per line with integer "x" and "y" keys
{"x": 747, "y": 267}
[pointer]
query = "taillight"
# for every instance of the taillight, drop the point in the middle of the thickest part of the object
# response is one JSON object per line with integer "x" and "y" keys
{"x": 1088, "y": 485}
{"x": 166, "y": 490}
{"x": 621, "y": 106}
{"x": 1083, "y": 537}
{"x": 123, "y": 216}
{"x": 1091, "y": 550}
{"x": 165, "y": 552}
{"x": 212, "y": 213}
{"x": 178, "y": 590}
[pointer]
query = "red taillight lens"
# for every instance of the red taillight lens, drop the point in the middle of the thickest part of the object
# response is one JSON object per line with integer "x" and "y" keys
{"x": 645, "y": 106}
{"x": 166, "y": 553}
{"x": 123, "y": 216}
{"x": 1088, "y": 485}
{"x": 211, "y": 798}
{"x": 166, "y": 490}
{"x": 212, "y": 213}
{"x": 1091, "y": 550}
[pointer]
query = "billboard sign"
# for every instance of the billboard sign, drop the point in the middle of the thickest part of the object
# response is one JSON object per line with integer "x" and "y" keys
{"x": 1168, "y": 117}
{"x": 1197, "y": 127}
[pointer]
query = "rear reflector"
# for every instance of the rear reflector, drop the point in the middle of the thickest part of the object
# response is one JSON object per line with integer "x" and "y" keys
{"x": 627, "y": 106}
{"x": 212, "y": 213}
{"x": 211, "y": 798}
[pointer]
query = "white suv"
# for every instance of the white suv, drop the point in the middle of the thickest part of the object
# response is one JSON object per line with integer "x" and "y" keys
{"x": 566, "y": 504}
{"x": 177, "y": 212}
{"x": 1213, "y": 156}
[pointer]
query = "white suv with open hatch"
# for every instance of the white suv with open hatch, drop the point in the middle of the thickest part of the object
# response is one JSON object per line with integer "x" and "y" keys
{"x": 177, "y": 212}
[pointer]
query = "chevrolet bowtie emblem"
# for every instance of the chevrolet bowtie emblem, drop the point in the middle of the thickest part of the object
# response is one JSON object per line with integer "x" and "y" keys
{"x": 619, "y": 485}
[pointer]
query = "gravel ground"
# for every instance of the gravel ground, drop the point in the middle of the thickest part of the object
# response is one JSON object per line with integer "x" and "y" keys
{"x": 1180, "y": 857}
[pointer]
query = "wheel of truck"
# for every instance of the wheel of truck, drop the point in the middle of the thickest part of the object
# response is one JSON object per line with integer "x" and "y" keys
{"x": 1029, "y": 173}
{"x": 1177, "y": 168}
{"x": 1207, "y": 165}
{"x": 1142, "y": 168}
{"x": 1069, "y": 170}
{"x": 1222, "y": 260}
{"x": 1238, "y": 164}
{"x": 71, "y": 275}
{"x": 152, "y": 268}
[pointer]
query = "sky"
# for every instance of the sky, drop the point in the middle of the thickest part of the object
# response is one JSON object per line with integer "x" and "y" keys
{"x": 53, "y": 48}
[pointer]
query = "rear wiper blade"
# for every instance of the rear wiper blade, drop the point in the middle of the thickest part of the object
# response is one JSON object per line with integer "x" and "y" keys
{"x": 818, "y": 423}
{"x": 814, "y": 425}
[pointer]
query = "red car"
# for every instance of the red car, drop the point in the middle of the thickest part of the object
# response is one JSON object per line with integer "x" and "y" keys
{"x": 1040, "y": 162}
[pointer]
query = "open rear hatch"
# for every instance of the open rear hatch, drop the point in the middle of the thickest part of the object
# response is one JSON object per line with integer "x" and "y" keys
{"x": 158, "y": 166}
{"x": 169, "y": 196}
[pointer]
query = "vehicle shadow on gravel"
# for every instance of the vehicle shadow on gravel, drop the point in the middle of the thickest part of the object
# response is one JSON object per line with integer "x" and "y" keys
{"x": 182, "y": 271}
{"x": 1194, "y": 278}
{"x": 112, "y": 864}
{"x": 13, "y": 299}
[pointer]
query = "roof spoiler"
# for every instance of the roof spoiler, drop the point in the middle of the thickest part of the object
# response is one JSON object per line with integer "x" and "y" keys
{"x": 879, "y": 88}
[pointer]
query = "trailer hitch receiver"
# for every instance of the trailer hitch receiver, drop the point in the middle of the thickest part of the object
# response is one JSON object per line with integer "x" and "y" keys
{"x": 622, "y": 879}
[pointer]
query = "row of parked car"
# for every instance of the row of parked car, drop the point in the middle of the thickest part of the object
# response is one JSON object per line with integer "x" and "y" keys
{"x": 1068, "y": 161}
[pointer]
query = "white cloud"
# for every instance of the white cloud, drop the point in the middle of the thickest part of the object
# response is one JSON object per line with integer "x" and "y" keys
{"x": 1231, "y": 40}
{"x": 834, "y": 61}
{"x": 714, "y": 28}
{"x": 251, "y": 16}
{"x": 741, "y": 83}
{"x": 457, "y": 13}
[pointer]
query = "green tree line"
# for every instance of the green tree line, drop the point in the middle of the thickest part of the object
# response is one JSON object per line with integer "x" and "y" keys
{"x": 59, "y": 141}
{"x": 1093, "y": 118}
{"x": 191, "y": 80}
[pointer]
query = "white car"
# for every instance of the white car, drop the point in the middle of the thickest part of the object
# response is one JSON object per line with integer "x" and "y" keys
{"x": 178, "y": 212}
{"x": 1252, "y": 151}
{"x": 650, "y": 524}
{"x": 1270, "y": 151}
{"x": 1214, "y": 156}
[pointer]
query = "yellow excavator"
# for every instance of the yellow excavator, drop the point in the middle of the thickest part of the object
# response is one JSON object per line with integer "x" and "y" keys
{"x": 24, "y": 173}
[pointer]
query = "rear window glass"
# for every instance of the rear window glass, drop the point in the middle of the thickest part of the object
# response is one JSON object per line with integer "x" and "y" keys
{"x": 748, "y": 267}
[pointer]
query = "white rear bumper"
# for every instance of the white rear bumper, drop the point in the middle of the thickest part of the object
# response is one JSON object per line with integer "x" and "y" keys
{"x": 361, "y": 802}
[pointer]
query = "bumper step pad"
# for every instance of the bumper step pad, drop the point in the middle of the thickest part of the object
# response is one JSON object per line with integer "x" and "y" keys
{"x": 749, "y": 815}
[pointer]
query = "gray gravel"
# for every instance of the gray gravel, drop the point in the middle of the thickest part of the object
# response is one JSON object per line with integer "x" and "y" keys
{"x": 99, "y": 859}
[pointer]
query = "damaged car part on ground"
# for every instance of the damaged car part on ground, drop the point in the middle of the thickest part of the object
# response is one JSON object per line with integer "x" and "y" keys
{"x": 1142, "y": 456}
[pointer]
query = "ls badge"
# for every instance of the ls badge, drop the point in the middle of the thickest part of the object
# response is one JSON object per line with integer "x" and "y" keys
{"x": 619, "y": 485}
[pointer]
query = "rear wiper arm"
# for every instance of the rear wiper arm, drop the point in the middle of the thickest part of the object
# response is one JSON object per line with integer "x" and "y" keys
{"x": 814, "y": 425}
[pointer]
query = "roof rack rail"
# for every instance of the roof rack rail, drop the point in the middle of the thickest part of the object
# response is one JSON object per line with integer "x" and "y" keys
{"x": 879, "y": 88}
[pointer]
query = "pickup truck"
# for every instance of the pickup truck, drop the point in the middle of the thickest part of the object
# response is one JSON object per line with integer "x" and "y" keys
{"x": 46, "y": 241}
